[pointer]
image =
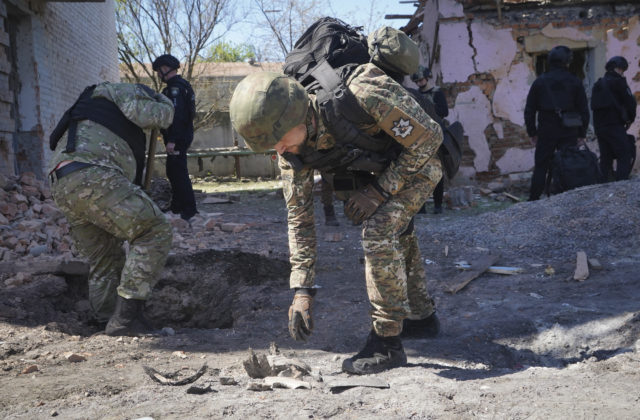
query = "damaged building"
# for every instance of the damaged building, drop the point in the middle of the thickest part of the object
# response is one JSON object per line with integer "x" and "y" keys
{"x": 485, "y": 54}
{"x": 49, "y": 52}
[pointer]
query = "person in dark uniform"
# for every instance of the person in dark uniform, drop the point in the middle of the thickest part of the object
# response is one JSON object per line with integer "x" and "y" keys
{"x": 614, "y": 109}
{"x": 548, "y": 133}
{"x": 179, "y": 135}
{"x": 437, "y": 98}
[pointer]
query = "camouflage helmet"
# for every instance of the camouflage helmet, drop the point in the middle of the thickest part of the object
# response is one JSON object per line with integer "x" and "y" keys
{"x": 165, "y": 60}
{"x": 422, "y": 73}
{"x": 265, "y": 106}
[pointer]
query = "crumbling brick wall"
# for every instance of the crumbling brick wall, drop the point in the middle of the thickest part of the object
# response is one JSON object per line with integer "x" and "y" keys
{"x": 484, "y": 59}
{"x": 50, "y": 52}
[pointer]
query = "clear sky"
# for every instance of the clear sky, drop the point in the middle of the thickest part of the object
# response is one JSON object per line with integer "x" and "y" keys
{"x": 367, "y": 13}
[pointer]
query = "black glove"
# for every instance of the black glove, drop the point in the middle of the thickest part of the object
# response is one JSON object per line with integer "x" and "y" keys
{"x": 364, "y": 202}
{"x": 300, "y": 321}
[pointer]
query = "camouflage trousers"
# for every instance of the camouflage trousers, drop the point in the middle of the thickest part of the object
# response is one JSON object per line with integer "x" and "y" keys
{"x": 395, "y": 275}
{"x": 104, "y": 209}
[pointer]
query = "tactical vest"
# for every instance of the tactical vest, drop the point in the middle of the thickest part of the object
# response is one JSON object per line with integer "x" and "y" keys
{"x": 107, "y": 114}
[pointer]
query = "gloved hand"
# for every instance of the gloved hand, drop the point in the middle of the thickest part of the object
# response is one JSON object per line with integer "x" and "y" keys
{"x": 364, "y": 202}
{"x": 300, "y": 321}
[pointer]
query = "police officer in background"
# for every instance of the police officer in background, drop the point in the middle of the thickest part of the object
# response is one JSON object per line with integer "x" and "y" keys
{"x": 179, "y": 135}
{"x": 555, "y": 89}
{"x": 95, "y": 173}
{"x": 434, "y": 95}
{"x": 614, "y": 110}
{"x": 271, "y": 110}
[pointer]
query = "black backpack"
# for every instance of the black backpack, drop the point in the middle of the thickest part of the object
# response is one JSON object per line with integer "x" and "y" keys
{"x": 573, "y": 167}
{"x": 322, "y": 60}
{"x": 450, "y": 152}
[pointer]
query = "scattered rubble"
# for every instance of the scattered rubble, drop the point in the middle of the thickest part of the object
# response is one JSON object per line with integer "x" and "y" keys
{"x": 30, "y": 223}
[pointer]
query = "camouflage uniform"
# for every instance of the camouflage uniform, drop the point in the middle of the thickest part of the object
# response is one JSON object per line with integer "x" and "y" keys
{"x": 104, "y": 208}
{"x": 395, "y": 277}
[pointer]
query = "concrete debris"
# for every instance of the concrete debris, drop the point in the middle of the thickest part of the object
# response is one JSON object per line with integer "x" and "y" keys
{"x": 459, "y": 197}
{"x": 227, "y": 380}
{"x": 281, "y": 364}
{"x": 74, "y": 357}
{"x": 288, "y": 383}
{"x": 179, "y": 353}
{"x": 168, "y": 331}
{"x": 594, "y": 264}
{"x": 200, "y": 390}
{"x": 30, "y": 223}
{"x": 233, "y": 227}
{"x": 257, "y": 366}
{"x": 18, "y": 280}
{"x": 258, "y": 386}
{"x": 30, "y": 369}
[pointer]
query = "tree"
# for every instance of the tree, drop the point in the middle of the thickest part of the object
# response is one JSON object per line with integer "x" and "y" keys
{"x": 183, "y": 28}
{"x": 281, "y": 22}
{"x": 227, "y": 52}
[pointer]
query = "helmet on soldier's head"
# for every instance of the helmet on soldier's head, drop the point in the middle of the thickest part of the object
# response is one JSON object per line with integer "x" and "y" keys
{"x": 265, "y": 106}
{"x": 617, "y": 62}
{"x": 165, "y": 60}
{"x": 422, "y": 73}
{"x": 560, "y": 56}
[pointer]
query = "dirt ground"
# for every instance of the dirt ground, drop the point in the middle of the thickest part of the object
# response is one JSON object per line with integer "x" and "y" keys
{"x": 538, "y": 344}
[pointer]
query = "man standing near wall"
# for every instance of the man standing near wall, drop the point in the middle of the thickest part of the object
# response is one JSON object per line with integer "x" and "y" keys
{"x": 614, "y": 110}
{"x": 95, "y": 174}
{"x": 434, "y": 95}
{"x": 179, "y": 135}
{"x": 553, "y": 94}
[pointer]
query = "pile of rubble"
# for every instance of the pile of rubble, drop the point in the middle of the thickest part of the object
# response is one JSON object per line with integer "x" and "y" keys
{"x": 31, "y": 225}
{"x": 30, "y": 222}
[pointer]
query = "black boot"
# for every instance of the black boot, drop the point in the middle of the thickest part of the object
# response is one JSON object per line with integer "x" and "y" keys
{"x": 127, "y": 318}
{"x": 378, "y": 354}
{"x": 428, "y": 327}
{"x": 330, "y": 216}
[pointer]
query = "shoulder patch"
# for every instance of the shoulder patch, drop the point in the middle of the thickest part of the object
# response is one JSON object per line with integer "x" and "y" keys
{"x": 404, "y": 129}
{"x": 174, "y": 91}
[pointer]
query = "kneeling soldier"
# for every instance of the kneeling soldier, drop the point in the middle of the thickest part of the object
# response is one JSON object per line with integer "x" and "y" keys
{"x": 95, "y": 177}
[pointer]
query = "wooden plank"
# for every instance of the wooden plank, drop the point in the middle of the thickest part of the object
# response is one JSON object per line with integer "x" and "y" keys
{"x": 496, "y": 269}
{"x": 582, "y": 267}
{"x": 477, "y": 267}
{"x": 511, "y": 197}
{"x": 71, "y": 267}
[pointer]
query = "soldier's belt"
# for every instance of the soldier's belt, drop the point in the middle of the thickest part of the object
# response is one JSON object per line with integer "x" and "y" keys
{"x": 67, "y": 169}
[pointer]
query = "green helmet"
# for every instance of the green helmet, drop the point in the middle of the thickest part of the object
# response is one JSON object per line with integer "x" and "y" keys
{"x": 265, "y": 106}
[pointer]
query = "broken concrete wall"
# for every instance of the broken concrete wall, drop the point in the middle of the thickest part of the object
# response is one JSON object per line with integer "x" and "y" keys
{"x": 485, "y": 61}
{"x": 51, "y": 52}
